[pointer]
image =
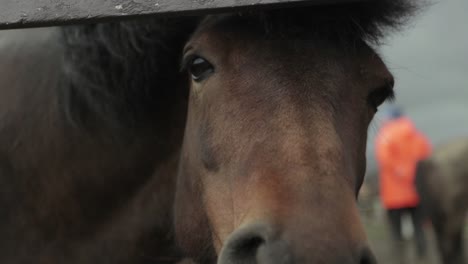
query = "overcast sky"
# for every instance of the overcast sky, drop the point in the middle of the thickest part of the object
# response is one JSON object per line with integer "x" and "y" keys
{"x": 430, "y": 63}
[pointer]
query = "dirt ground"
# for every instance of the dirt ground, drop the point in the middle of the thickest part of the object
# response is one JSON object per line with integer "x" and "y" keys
{"x": 375, "y": 223}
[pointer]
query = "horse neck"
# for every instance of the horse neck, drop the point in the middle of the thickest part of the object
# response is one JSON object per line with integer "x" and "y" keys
{"x": 74, "y": 186}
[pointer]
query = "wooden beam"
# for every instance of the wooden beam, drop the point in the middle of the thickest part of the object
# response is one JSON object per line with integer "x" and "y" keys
{"x": 35, "y": 13}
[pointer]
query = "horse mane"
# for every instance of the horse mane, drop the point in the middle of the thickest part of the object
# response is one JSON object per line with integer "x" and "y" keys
{"x": 123, "y": 73}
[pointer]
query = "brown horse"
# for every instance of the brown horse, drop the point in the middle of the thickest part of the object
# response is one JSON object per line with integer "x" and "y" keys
{"x": 442, "y": 182}
{"x": 275, "y": 107}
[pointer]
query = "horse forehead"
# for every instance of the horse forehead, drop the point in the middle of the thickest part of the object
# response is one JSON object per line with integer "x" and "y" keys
{"x": 222, "y": 36}
{"x": 232, "y": 30}
{"x": 315, "y": 67}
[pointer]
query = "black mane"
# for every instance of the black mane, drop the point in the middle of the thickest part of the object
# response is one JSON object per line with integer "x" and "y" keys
{"x": 125, "y": 73}
{"x": 121, "y": 74}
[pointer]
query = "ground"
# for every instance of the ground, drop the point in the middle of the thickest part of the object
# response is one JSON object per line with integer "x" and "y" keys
{"x": 375, "y": 223}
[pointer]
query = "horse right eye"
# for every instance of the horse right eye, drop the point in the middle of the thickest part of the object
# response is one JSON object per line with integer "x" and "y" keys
{"x": 200, "y": 69}
{"x": 377, "y": 97}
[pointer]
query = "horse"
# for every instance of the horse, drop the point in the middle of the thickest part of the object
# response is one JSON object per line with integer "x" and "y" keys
{"x": 442, "y": 183}
{"x": 226, "y": 138}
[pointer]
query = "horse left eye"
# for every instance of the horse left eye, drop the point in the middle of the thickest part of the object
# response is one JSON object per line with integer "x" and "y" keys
{"x": 200, "y": 69}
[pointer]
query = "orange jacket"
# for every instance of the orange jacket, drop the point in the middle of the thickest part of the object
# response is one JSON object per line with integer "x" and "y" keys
{"x": 399, "y": 147}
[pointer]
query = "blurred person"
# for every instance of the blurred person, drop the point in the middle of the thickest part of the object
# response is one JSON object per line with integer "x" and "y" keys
{"x": 399, "y": 147}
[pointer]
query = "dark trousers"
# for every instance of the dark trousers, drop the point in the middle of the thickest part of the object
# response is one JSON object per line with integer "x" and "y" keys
{"x": 395, "y": 216}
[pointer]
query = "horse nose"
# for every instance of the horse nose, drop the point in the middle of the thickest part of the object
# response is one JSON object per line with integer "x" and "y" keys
{"x": 257, "y": 244}
{"x": 254, "y": 244}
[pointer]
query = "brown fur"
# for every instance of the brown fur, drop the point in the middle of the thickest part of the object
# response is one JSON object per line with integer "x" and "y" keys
{"x": 276, "y": 145}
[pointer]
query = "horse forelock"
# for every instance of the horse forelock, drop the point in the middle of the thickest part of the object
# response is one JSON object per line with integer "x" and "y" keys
{"x": 362, "y": 20}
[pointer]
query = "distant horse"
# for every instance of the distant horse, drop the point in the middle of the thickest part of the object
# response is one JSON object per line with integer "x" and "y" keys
{"x": 232, "y": 138}
{"x": 442, "y": 182}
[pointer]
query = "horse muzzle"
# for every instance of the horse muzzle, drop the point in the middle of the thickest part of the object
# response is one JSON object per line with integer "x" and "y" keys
{"x": 257, "y": 244}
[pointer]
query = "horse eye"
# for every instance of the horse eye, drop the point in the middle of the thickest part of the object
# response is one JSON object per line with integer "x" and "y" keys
{"x": 379, "y": 96}
{"x": 200, "y": 69}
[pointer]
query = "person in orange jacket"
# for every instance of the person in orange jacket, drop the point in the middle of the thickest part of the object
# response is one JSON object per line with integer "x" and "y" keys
{"x": 399, "y": 147}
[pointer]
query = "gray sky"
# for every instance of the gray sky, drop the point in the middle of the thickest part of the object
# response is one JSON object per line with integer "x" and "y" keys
{"x": 430, "y": 63}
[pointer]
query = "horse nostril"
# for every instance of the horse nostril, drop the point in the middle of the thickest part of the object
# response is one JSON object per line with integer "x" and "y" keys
{"x": 247, "y": 249}
{"x": 243, "y": 245}
{"x": 367, "y": 257}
